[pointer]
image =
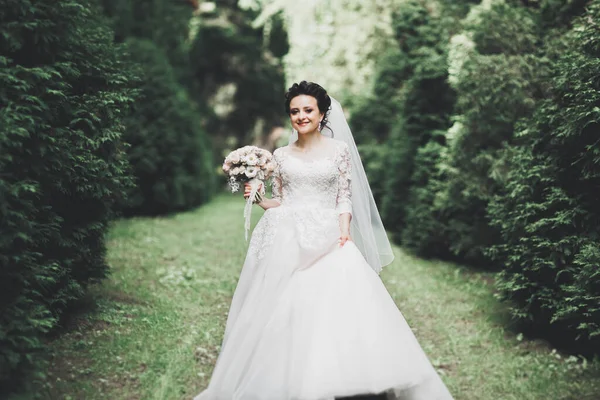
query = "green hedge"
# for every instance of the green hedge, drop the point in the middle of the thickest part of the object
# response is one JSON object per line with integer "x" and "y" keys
{"x": 63, "y": 92}
{"x": 426, "y": 103}
{"x": 169, "y": 151}
{"x": 548, "y": 211}
{"x": 374, "y": 117}
{"x": 496, "y": 81}
{"x": 425, "y": 231}
{"x": 163, "y": 22}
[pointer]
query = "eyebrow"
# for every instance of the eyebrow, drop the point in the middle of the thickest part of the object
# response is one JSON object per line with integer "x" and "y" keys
{"x": 295, "y": 108}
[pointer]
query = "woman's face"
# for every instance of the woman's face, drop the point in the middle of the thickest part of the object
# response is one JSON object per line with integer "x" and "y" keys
{"x": 304, "y": 114}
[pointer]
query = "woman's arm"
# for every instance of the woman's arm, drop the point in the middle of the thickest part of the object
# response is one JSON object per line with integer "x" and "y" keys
{"x": 344, "y": 195}
{"x": 345, "y": 219}
{"x": 265, "y": 203}
{"x": 268, "y": 203}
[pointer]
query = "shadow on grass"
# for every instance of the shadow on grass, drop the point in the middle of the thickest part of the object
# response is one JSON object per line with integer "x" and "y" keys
{"x": 535, "y": 336}
{"x": 80, "y": 314}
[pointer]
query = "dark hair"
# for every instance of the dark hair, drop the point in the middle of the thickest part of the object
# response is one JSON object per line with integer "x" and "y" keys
{"x": 310, "y": 89}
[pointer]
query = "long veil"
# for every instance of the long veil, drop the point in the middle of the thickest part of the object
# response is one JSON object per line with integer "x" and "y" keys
{"x": 366, "y": 228}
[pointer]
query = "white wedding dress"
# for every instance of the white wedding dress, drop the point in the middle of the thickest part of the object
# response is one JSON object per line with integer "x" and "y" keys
{"x": 311, "y": 320}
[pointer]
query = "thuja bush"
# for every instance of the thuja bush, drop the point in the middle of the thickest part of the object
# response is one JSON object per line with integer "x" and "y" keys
{"x": 169, "y": 151}
{"x": 559, "y": 13}
{"x": 166, "y": 23}
{"x": 63, "y": 91}
{"x": 498, "y": 80}
{"x": 375, "y": 116}
{"x": 426, "y": 104}
{"x": 425, "y": 232}
{"x": 548, "y": 210}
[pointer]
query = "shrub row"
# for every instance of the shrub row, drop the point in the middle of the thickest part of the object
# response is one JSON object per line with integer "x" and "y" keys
{"x": 63, "y": 168}
{"x": 88, "y": 128}
{"x": 493, "y": 148}
{"x": 169, "y": 149}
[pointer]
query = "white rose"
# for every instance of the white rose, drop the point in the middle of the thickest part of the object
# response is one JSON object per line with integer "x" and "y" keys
{"x": 251, "y": 172}
{"x": 251, "y": 159}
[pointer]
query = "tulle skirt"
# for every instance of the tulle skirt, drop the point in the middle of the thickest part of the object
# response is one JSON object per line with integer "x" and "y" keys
{"x": 310, "y": 320}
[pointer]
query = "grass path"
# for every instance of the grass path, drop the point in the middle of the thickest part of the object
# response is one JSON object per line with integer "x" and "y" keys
{"x": 153, "y": 329}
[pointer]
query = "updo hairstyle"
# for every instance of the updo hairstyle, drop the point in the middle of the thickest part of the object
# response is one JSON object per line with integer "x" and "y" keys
{"x": 310, "y": 89}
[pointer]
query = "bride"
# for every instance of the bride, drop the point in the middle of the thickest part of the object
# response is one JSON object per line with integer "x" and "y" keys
{"x": 310, "y": 318}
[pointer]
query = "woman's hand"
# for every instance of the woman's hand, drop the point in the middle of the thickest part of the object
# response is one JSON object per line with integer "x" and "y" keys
{"x": 344, "y": 237}
{"x": 344, "y": 228}
{"x": 247, "y": 189}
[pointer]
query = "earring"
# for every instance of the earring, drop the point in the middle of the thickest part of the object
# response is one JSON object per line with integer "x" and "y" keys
{"x": 320, "y": 127}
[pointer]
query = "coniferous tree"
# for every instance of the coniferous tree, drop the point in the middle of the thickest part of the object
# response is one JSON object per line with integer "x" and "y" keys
{"x": 170, "y": 151}
{"x": 426, "y": 103}
{"x": 548, "y": 210}
{"x": 63, "y": 94}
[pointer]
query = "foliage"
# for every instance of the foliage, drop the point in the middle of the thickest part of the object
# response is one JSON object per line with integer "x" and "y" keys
{"x": 374, "y": 117}
{"x": 168, "y": 149}
{"x": 499, "y": 168}
{"x": 241, "y": 72}
{"x": 277, "y": 36}
{"x": 560, "y": 13}
{"x": 336, "y": 43}
{"x": 497, "y": 81}
{"x": 426, "y": 103}
{"x": 548, "y": 211}
{"x": 163, "y": 22}
{"x": 63, "y": 92}
{"x": 424, "y": 231}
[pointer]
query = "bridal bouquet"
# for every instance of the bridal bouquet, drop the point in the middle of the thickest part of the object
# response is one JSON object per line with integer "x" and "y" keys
{"x": 249, "y": 164}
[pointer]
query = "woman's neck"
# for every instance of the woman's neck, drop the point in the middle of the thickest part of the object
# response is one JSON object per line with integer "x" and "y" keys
{"x": 308, "y": 141}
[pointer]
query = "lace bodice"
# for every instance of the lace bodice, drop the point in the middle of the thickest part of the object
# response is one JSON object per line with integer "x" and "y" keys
{"x": 323, "y": 181}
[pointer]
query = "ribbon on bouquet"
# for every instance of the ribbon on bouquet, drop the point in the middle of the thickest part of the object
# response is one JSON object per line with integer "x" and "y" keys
{"x": 256, "y": 192}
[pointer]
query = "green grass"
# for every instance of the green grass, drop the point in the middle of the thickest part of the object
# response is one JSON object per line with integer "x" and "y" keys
{"x": 153, "y": 329}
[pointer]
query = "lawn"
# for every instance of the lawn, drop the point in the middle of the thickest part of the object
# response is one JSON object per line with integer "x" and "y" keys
{"x": 153, "y": 329}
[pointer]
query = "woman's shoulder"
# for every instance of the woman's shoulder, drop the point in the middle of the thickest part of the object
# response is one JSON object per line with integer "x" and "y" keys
{"x": 339, "y": 145}
{"x": 334, "y": 143}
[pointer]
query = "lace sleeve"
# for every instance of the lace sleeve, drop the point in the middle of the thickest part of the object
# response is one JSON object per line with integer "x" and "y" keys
{"x": 276, "y": 177}
{"x": 344, "y": 194}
